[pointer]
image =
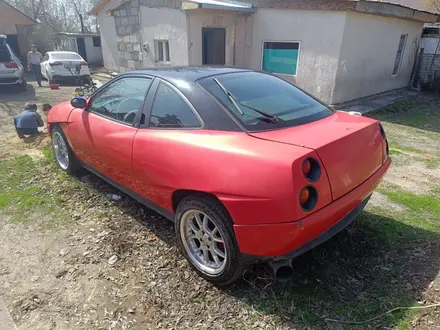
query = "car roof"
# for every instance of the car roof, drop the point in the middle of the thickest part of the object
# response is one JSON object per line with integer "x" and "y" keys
{"x": 187, "y": 73}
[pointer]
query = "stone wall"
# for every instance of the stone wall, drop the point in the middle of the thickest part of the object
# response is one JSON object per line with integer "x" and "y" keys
{"x": 127, "y": 24}
{"x": 128, "y": 30}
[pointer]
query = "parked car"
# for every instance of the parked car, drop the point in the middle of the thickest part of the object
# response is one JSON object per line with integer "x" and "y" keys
{"x": 57, "y": 66}
{"x": 11, "y": 69}
{"x": 249, "y": 167}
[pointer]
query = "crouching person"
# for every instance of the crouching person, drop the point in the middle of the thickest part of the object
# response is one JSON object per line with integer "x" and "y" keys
{"x": 28, "y": 121}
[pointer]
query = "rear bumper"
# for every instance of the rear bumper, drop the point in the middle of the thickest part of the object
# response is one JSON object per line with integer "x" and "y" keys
{"x": 12, "y": 79}
{"x": 289, "y": 240}
{"x": 68, "y": 76}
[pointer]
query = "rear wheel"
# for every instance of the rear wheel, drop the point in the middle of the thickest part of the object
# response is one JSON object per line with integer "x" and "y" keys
{"x": 64, "y": 156}
{"x": 206, "y": 238}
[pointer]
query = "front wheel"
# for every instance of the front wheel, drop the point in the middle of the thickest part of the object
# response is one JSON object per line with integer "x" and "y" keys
{"x": 206, "y": 238}
{"x": 64, "y": 156}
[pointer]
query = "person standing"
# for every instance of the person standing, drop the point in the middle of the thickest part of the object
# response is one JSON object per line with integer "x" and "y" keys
{"x": 34, "y": 59}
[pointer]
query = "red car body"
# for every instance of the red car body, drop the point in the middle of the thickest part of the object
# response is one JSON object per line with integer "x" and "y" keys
{"x": 257, "y": 176}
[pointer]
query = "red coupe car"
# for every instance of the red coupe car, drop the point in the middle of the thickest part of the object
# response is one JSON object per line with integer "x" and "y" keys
{"x": 249, "y": 167}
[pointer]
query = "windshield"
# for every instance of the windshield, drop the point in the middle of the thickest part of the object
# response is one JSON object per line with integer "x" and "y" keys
{"x": 5, "y": 55}
{"x": 65, "y": 56}
{"x": 266, "y": 93}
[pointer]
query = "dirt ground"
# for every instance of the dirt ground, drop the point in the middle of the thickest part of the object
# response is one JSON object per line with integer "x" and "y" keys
{"x": 72, "y": 259}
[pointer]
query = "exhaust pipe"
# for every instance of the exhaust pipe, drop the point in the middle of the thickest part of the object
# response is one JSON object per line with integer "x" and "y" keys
{"x": 282, "y": 270}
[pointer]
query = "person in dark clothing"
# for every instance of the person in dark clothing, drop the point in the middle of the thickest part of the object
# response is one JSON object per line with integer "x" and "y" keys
{"x": 34, "y": 59}
{"x": 28, "y": 121}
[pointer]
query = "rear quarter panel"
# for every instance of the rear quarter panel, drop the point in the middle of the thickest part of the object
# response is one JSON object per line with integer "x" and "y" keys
{"x": 251, "y": 177}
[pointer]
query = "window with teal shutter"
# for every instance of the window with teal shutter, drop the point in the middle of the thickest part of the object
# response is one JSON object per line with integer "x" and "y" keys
{"x": 281, "y": 57}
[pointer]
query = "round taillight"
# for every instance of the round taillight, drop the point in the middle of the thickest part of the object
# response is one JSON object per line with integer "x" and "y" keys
{"x": 307, "y": 167}
{"x": 308, "y": 197}
{"x": 311, "y": 169}
{"x": 304, "y": 195}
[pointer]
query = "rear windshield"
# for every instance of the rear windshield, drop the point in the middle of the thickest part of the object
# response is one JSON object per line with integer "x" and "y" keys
{"x": 5, "y": 55}
{"x": 65, "y": 56}
{"x": 266, "y": 93}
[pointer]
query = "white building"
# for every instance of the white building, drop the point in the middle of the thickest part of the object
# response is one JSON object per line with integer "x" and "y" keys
{"x": 335, "y": 50}
{"x": 430, "y": 42}
{"x": 88, "y": 45}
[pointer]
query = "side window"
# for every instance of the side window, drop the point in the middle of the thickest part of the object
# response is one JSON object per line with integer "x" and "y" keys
{"x": 169, "y": 110}
{"x": 399, "y": 55}
{"x": 46, "y": 58}
{"x": 122, "y": 99}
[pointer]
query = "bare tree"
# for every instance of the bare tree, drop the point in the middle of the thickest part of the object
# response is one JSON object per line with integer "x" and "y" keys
{"x": 60, "y": 15}
{"x": 55, "y": 16}
{"x": 431, "y": 5}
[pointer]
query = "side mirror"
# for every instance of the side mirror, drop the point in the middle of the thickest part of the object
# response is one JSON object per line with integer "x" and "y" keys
{"x": 79, "y": 102}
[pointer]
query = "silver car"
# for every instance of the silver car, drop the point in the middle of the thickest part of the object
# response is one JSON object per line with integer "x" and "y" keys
{"x": 11, "y": 69}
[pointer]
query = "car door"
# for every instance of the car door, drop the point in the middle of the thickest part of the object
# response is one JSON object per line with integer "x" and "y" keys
{"x": 102, "y": 136}
{"x": 157, "y": 165}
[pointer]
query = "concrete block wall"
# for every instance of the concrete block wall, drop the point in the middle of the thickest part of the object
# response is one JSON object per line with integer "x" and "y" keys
{"x": 128, "y": 25}
{"x": 128, "y": 31}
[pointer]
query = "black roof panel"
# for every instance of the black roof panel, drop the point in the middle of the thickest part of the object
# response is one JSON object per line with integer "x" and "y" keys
{"x": 188, "y": 73}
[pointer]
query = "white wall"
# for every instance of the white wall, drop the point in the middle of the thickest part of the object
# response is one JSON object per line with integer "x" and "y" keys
{"x": 320, "y": 35}
{"x": 430, "y": 45}
{"x": 109, "y": 40}
{"x": 238, "y": 28}
{"x": 368, "y": 53}
{"x": 94, "y": 54}
{"x": 164, "y": 24}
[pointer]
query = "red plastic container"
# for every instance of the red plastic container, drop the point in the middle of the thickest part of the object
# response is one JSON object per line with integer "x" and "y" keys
{"x": 54, "y": 86}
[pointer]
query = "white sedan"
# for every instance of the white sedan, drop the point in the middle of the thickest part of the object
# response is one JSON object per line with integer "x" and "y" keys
{"x": 60, "y": 65}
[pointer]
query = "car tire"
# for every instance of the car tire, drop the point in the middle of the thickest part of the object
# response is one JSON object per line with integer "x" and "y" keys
{"x": 220, "y": 223}
{"x": 64, "y": 155}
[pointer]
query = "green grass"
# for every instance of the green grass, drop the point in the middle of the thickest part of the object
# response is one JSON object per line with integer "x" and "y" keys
{"x": 420, "y": 112}
{"x": 427, "y": 205}
{"x": 399, "y": 147}
{"x": 357, "y": 275}
{"x": 433, "y": 163}
{"x": 394, "y": 152}
{"x": 24, "y": 196}
{"x": 420, "y": 212}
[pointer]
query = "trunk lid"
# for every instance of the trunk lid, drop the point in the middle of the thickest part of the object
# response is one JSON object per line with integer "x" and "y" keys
{"x": 350, "y": 147}
{"x": 66, "y": 64}
{"x": 7, "y": 66}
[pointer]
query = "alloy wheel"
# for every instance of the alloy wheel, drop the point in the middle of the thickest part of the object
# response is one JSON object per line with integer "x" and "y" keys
{"x": 203, "y": 242}
{"x": 61, "y": 152}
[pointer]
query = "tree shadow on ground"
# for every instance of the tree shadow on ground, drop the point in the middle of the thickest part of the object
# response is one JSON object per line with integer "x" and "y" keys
{"x": 375, "y": 265}
{"x": 420, "y": 112}
{"x": 13, "y": 93}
